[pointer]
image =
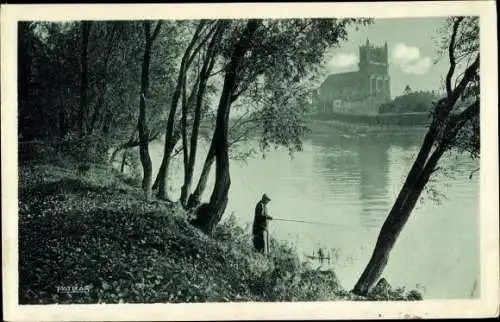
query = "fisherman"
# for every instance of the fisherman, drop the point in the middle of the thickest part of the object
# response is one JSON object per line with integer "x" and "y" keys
{"x": 259, "y": 231}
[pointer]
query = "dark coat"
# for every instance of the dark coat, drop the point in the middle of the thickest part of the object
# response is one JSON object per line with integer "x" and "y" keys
{"x": 260, "y": 219}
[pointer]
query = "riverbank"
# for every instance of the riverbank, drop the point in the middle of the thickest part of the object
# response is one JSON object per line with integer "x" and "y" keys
{"x": 413, "y": 119}
{"x": 368, "y": 125}
{"x": 90, "y": 238}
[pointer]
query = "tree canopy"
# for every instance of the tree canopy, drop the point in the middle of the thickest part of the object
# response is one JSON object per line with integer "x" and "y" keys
{"x": 181, "y": 74}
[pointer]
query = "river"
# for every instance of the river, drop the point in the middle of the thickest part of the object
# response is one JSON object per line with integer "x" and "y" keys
{"x": 349, "y": 182}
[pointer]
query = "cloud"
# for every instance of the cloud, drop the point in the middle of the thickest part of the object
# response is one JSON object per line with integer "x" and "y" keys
{"x": 343, "y": 61}
{"x": 410, "y": 60}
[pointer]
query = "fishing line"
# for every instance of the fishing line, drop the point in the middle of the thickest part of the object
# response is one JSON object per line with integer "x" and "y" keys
{"x": 314, "y": 223}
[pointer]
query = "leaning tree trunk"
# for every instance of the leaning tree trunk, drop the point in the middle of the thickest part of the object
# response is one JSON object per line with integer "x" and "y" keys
{"x": 169, "y": 146}
{"x": 162, "y": 172}
{"x": 187, "y": 58}
{"x": 442, "y": 133}
{"x": 212, "y": 214}
{"x": 447, "y": 125}
{"x": 186, "y": 153}
{"x": 208, "y": 64}
{"x": 218, "y": 199}
{"x": 195, "y": 198}
{"x": 415, "y": 182}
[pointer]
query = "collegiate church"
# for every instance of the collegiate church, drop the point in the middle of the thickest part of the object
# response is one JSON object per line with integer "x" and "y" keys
{"x": 359, "y": 92}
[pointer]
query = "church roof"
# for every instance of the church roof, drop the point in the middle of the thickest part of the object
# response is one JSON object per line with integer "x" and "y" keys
{"x": 349, "y": 79}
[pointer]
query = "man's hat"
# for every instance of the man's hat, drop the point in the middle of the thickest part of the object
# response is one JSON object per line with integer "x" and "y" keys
{"x": 265, "y": 197}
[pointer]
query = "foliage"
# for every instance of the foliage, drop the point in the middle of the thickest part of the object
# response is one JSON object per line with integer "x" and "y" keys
{"x": 276, "y": 77}
{"x": 464, "y": 51}
{"x": 49, "y": 73}
{"x": 42, "y": 82}
{"x": 278, "y": 74}
{"x": 420, "y": 101}
{"x": 283, "y": 55}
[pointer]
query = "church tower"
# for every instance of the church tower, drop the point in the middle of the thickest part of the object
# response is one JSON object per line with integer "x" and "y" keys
{"x": 374, "y": 71}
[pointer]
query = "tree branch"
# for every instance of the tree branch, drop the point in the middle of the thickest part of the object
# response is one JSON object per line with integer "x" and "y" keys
{"x": 132, "y": 142}
{"x": 458, "y": 121}
{"x": 239, "y": 123}
{"x": 451, "y": 55}
{"x": 467, "y": 114}
{"x": 197, "y": 48}
{"x": 468, "y": 76}
{"x": 176, "y": 152}
{"x": 472, "y": 173}
{"x": 184, "y": 123}
{"x": 243, "y": 134}
{"x": 147, "y": 30}
{"x": 219, "y": 71}
{"x": 236, "y": 123}
{"x": 235, "y": 96}
{"x": 436, "y": 169}
{"x": 187, "y": 54}
{"x": 157, "y": 30}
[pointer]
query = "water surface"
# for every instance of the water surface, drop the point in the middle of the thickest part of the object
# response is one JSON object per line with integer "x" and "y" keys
{"x": 350, "y": 182}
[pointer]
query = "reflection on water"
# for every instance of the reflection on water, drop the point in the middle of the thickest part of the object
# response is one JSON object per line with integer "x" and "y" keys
{"x": 362, "y": 161}
{"x": 351, "y": 182}
{"x": 373, "y": 163}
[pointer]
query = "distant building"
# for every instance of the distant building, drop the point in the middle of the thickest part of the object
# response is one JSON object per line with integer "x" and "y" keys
{"x": 358, "y": 92}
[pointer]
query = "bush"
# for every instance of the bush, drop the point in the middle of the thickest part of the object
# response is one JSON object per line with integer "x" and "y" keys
{"x": 383, "y": 291}
{"x": 280, "y": 276}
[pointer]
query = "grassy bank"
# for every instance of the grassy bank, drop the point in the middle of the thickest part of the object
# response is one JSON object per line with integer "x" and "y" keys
{"x": 94, "y": 231}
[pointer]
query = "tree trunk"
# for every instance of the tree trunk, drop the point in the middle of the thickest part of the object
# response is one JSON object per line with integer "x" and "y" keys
{"x": 184, "y": 133}
{"x": 195, "y": 198}
{"x": 185, "y": 153}
{"x": 186, "y": 187}
{"x": 415, "y": 182}
{"x": 385, "y": 242}
{"x": 442, "y": 133}
{"x": 398, "y": 216}
{"x": 142, "y": 122}
{"x": 144, "y": 154}
{"x": 161, "y": 177}
{"x": 169, "y": 145}
{"x": 144, "y": 137}
{"x": 161, "y": 171}
{"x": 83, "y": 76}
{"x": 208, "y": 64}
{"x": 218, "y": 200}
{"x": 169, "y": 134}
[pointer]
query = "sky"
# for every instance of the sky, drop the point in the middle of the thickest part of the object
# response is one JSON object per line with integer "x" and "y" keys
{"x": 412, "y": 52}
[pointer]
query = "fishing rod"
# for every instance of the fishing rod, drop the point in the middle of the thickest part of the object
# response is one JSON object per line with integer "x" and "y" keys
{"x": 312, "y": 222}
